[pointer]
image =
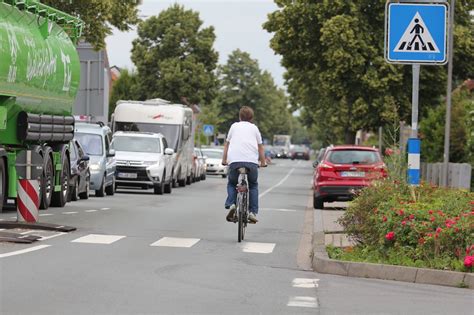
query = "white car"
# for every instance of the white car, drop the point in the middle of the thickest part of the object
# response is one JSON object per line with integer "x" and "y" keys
{"x": 214, "y": 162}
{"x": 143, "y": 160}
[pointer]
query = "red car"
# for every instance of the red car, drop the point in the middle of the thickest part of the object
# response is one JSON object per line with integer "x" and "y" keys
{"x": 344, "y": 170}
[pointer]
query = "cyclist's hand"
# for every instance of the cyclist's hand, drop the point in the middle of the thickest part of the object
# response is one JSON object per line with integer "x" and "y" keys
{"x": 263, "y": 164}
{"x": 224, "y": 162}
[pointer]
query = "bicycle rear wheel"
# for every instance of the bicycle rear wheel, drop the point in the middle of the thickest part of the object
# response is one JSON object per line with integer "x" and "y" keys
{"x": 240, "y": 232}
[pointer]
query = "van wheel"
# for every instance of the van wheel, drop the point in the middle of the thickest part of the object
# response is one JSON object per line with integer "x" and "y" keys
{"x": 59, "y": 198}
{"x": 3, "y": 183}
{"x": 169, "y": 185}
{"x": 101, "y": 191}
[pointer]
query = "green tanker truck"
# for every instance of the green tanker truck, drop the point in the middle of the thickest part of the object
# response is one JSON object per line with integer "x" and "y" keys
{"x": 39, "y": 79}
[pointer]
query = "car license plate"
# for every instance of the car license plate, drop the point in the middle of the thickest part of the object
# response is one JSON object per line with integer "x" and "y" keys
{"x": 353, "y": 174}
{"x": 127, "y": 175}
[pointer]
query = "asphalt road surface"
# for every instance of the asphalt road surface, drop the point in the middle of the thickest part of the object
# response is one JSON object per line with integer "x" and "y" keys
{"x": 140, "y": 253}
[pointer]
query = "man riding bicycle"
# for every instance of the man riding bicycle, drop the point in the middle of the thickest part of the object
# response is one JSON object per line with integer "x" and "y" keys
{"x": 243, "y": 148}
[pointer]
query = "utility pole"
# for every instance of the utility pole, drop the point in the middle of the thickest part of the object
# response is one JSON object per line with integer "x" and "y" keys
{"x": 447, "y": 126}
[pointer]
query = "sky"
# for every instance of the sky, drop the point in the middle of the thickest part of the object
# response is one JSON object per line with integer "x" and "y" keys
{"x": 237, "y": 23}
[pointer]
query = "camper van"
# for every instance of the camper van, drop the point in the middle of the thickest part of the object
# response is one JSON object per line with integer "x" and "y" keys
{"x": 174, "y": 121}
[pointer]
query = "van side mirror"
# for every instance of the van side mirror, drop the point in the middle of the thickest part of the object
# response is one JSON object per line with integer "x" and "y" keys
{"x": 111, "y": 153}
{"x": 185, "y": 132}
{"x": 169, "y": 151}
{"x": 315, "y": 163}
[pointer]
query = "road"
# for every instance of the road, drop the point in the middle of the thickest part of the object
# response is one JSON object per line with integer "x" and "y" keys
{"x": 139, "y": 253}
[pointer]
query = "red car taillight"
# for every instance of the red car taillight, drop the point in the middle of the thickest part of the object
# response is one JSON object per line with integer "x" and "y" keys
{"x": 325, "y": 166}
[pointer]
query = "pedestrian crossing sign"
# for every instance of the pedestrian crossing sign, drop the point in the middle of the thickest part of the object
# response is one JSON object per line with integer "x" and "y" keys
{"x": 208, "y": 130}
{"x": 416, "y": 33}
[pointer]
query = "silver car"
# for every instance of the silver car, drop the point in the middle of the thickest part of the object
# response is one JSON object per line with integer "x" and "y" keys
{"x": 143, "y": 160}
{"x": 95, "y": 139}
{"x": 214, "y": 161}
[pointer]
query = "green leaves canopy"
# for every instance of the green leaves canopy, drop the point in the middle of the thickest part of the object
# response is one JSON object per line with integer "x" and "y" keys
{"x": 175, "y": 58}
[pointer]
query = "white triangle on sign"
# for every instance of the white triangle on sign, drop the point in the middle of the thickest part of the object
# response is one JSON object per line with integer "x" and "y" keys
{"x": 416, "y": 38}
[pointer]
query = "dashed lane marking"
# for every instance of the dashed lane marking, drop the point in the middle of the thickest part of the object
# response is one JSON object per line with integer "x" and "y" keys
{"x": 305, "y": 283}
{"x": 104, "y": 209}
{"x": 98, "y": 239}
{"x": 24, "y": 251}
{"x": 46, "y": 214}
{"x": 92, "y": 210}
{"x": 176, "y": 242}
{"x": 303, "y": 301}
{"x": 278, "y": 209}
{"x": 70, "y": 212}
{"x": 258, "y": 248}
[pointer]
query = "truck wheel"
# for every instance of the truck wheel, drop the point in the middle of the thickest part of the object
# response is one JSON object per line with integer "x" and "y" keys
{"x": 3, "y": 183}
{"x": 110, "y": 190}
{"x": 85, "y": 194}
{"x": 47, "y": 183}
{"x": 101, "y": 191}
{"x": 59, "y": 198}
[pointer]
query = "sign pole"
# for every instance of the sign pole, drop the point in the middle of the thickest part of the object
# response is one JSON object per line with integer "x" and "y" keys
{"x": 447, "y": 126}
{"x": 414, "y": 100}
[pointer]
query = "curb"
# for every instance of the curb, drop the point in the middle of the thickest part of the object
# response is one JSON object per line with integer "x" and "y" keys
{"x": 323, "y": 264}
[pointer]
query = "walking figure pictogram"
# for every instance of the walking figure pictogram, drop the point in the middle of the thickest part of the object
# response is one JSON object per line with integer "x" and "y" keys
{"x": 418, "y": 29}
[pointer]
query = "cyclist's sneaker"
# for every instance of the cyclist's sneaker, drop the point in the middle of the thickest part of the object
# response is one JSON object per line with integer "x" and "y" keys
{"x": 252, "y": 218}
{"x": 231, "y": 214}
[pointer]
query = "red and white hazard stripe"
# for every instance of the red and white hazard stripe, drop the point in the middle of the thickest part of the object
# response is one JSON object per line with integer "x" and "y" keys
{"x": 28, "y": 200}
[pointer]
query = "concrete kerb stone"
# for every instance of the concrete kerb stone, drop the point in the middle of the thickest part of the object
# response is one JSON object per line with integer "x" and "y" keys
{"x": 323, "y": 264}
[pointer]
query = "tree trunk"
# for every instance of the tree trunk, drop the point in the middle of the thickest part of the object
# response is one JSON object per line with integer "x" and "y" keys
{"x": 349, "y": 137}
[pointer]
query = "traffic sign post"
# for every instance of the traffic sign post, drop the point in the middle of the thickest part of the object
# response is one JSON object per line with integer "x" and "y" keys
{"x": 415, "y": 33}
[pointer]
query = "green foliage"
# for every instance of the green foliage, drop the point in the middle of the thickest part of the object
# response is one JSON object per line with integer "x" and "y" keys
{"x": 336, "y": 72}
{"x": 175, "y": 58}
{"x": 423, "y": 226}
{"x": 125, "y": 88}
{"x": 461, "y": 143}
{"x": 99, "y": 16}
{"x": 243, "y": 83}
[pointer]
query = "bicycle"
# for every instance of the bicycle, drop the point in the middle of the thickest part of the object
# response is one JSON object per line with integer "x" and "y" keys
{"x": 242, "y": 204}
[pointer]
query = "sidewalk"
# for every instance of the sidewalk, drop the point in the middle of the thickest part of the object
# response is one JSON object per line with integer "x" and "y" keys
{"x": 327, "y": 231}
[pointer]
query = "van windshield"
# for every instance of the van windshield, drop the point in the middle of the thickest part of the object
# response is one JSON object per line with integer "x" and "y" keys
{"x": 172, "y": 133}
{"x": 136, "y": 144}
{"x": 92, "y": 143}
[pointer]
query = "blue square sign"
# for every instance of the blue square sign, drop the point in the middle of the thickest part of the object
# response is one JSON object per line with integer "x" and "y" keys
{"x": 416, "y": 33}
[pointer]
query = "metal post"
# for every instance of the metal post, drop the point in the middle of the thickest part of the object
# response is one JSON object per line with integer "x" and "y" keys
{"x": 447, "y": 126}
{"x": 380, "y": 139}
{"x": 88, "y": 88}
{"x": 414, "y": 101}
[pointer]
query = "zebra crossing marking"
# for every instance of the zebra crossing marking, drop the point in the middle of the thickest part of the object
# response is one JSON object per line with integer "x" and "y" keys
{"x": 303, "y": 301}
{"x": 98, "y": 239}
{"x": 305, "y": 283}
{"x": 176, "y": 242}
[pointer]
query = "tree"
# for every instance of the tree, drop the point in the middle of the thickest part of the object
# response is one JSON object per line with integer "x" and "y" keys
{"x": 99, "y": 16}
{"x": 333, "y": 53}
{"x": 243, "y": 83}
{"x": 125, "y": 88}
{"x": 175, "y": 58}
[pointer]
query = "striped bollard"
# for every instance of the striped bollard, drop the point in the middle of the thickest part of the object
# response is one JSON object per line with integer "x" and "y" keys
{"x": 414, "y": 149}
{"x": 28, "y": 200}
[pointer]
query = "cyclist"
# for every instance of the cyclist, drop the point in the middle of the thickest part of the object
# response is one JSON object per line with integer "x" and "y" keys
{"x": 243, "y": 148}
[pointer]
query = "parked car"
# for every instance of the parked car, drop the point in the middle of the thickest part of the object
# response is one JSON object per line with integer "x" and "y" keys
{"x": 95, "y": 139}
{"x": 214, "y": 162}
{"x": 79, "y": 182}
{"x": 144, "y": 160}
{"x": 299, "y": 152}
{"x": 343, "y": 170}
{"x": 201, "y": 161}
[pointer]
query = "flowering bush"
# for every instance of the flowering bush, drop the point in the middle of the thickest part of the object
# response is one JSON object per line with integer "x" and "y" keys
{"x": 430, "y": 226}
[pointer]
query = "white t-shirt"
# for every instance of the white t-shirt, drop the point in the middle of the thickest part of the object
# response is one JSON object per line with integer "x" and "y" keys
{"x": 244, "y": 138}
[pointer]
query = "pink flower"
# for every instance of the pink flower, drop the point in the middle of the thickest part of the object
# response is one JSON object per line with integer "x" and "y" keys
{"x": 432, "y": 218}
{"x": 439, "y": 230}
{"x": 456, "y": 230}
{"x": 384, "y": 219}
{"x": 388, "y": 151}
{"x": 468, "y": 261}
{"x": 411, "y": 216}
{"x": 430, "y": 212}
{"x": 421, "y": 241}
{"x": 390, "y": 236}
{"x": 401, "y": 212}
{"x": 404, "y": 223}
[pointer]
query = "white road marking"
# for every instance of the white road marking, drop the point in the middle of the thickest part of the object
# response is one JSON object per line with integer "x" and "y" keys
{"x": 2, "y": 229}
{"x": 24, "y": 251}
{"x": 98, "y": 239}
{"x": 104, "y": 209}
{"x": 27, "y": 232}
{"x": 258, "y": 248}
{"x": 176, "y": 242}
{"x": 305, "y": 283}
{"x": 44, "y": 238}
{"x": 13, "y": 218}
{"x": 70, "y": 212}
{"x": 277, "y": 209}
{"x": 46, "y": 214}
{"x": 92, "y": 210}
{"x": 303, "y": 301}
{"x": 278, "y": 184}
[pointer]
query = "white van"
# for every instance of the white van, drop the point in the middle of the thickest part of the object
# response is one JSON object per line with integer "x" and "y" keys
{"x": 174, "y": 121}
